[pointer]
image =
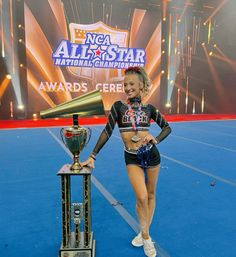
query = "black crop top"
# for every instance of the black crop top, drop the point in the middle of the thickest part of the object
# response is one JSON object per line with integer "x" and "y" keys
{"x": 119, "y": 114}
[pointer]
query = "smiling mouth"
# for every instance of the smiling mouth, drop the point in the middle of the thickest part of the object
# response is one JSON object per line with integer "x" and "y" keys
{"x": 130, "y": 92}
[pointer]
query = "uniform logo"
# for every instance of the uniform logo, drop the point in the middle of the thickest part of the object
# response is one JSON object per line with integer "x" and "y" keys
{"x": 142, "y": 116}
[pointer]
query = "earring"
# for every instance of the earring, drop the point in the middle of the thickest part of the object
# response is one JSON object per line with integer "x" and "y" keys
{"x": 141, "y": 86}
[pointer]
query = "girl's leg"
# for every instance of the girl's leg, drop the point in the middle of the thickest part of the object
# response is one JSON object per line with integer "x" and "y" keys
{"x": 152, "y": 177}
{"x": 137, "y": 180}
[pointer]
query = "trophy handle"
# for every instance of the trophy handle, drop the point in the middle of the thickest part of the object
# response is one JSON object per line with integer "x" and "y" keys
{"x": 89, "y": 131}
{"x": 62, "y": 136}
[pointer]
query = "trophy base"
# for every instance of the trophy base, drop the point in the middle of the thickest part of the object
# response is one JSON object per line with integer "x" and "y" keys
{"x": 76, "y": 167}
{"x": 80, "y": 250}
{"x": 65, "y": 170}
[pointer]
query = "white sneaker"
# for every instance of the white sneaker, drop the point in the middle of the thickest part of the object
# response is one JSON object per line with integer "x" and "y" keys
{"x": 138, "y": 240}
{"x": 149, "y": 248}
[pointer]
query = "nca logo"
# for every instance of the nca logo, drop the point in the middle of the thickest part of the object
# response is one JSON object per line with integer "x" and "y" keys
{"x": 99, "y": 51}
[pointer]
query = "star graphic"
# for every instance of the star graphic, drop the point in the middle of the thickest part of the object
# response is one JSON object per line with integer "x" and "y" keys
{"x": 97, "y": 53}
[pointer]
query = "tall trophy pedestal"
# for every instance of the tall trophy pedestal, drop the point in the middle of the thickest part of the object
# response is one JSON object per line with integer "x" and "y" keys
{"x": 80, "y": 250}
{"x": 76, "y": 243}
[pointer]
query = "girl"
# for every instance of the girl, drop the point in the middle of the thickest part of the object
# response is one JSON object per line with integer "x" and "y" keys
{"x": 141, "y": 155}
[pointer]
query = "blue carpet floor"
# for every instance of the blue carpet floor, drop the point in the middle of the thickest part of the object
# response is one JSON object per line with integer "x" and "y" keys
{"x": 196, "y": 193}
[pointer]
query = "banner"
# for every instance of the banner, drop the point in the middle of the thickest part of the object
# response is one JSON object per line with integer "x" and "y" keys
{"x": 68, "y": 59}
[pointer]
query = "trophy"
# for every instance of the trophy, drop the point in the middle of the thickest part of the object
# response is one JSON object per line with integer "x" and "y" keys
{"x": 76, "y": 138}
{"x": 76, "y": 243}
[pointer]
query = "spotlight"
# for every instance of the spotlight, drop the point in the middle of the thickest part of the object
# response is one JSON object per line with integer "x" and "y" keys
{"x": 203, "y": 43}
{"x": 215, "y": 45}
{"x": 168, "y": 105}
{"x": 163, "y": 40}
{"x": 21, "y": 107}
{"x": 164, "y": 18}
{"x": 19, "y": 26}
{"x": 204, "y": 24}
{"x": 179, "y": 20}
{"x": 163, "y": 52}
{"x": 162, "y": 72}
{"x": 211, "y": 53}
{"x": 8, "y": 76}
{"x": 21, "y": 65}
{"x": 20, "y": 40}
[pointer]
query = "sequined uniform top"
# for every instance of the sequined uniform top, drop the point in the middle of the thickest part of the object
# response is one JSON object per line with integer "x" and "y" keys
{"x": 119, "y": 114}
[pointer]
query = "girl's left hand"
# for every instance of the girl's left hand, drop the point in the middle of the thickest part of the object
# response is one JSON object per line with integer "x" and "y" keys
{"x": 149, "y": 139}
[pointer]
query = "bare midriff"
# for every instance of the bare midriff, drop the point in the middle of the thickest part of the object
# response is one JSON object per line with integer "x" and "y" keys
{"x": 126, "y": 137}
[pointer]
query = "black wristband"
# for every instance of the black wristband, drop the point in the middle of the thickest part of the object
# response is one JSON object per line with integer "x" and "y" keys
{"x": 93, "y": 157}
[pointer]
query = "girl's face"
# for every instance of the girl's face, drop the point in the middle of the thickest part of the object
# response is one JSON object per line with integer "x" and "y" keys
{"x": 132, "y": 85}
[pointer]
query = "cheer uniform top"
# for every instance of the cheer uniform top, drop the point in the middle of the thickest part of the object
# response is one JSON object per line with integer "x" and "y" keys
{"x": 119, "y": 114}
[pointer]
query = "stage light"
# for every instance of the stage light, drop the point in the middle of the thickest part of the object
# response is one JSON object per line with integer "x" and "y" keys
{"x": 8, "y": 76}
{"x": 204, "y": 24}
{"x": 19, "y": 26}
{"x": 210, "y": 53}
{"x": 215, "y": 45}
{"x": 164, "y": 19}
{"x": 194, "y": 107}
{"x": 21, "y": 107}
{"x": 11, "y": 110}
{"x": 163, "y": 40}
{"x": 203, "y": 43}
{"x": 168, "y": 105}
{"x": 11, "y": 61}
{"x": 179, "y": 20}
{"x": 162, "y": 72}
{"x": 163, "y": 52}
{"x": 21, "y": 65}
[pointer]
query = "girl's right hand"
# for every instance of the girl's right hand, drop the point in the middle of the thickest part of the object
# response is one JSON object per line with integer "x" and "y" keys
{"x": 89, "y": 163}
